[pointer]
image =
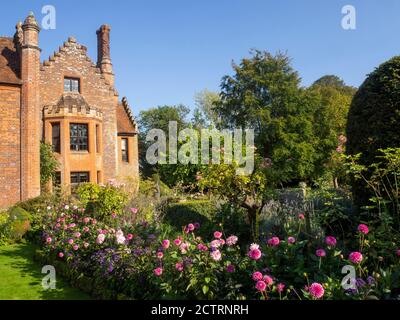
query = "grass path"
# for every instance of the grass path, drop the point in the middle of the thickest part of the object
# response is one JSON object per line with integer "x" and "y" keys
{"x": 21, "y": 277}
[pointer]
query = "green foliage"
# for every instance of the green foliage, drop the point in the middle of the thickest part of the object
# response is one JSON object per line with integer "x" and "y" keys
{"x": 382, "y": 182}
{"x": 3, "y": 220}
{"x": 103, "y": 201}
{"x": 246, "y": 191}
{"x": 265, "y": 94}
{"x": 88, "y": 192}
{"x": 48, "y": 164}
{"x": 158, "y": 118}
{"x": 204, "y": 115}
{"x": 182, "y": 213}
{"x": 332, "y": 103}
{"x": 16, "y": 226}
{"x": 374, "y": 119}
{"x": 333, "y": 211}
{"x": 154, "y": 187}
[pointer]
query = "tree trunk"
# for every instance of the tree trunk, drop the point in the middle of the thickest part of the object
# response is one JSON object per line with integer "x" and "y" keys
{"x": 253, "y": 215}
{"x": 335, "y": 183}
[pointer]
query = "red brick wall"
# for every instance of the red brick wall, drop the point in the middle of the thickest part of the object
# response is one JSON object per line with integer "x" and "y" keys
{"x": 10, "y": 161}
{"x": 30, "y": 122}
{"x": 72, "y": 61}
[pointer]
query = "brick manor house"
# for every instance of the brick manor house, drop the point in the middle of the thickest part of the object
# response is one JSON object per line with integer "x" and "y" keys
{"x": 67, "y": 101}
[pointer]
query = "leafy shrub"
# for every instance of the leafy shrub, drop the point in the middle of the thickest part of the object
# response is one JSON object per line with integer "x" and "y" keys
{"x": 381, "y": 180}
{"x": 183, "y": 213}
{"x": 3, "y": 220}
{"x": 88, "y": 192}
{"x": 103, "y": 201}
{"x": 374, "y": 119}
{"x": 232, "y": 221}
{"x": 333, "y": 211}
{"x": 48, "y": 164}
{"x": 154, "y": 187}
{"x": 17, "y": 224}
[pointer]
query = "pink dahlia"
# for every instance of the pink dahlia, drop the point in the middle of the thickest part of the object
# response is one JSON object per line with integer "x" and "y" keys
{"x": 320, "y": 253}
{"x": 77, "y": 234}
{"x": 215, "y": 243}
{"x": 257, "y": 276}
{"x": 274, "y": 241}
{"x": 177, "y": 242}
{"x": 134, "y": 210}
{"x": 202, "y": 247}
{"x": 342, "y": 139}
{"x": 301, "y": 216}
{"x": 217, "y": 235}
{"x": 60, "y": 254}
{"x": 129, "y": 236}
{"x": 254, "y": 246}
{"x": 230, "y": 268}
{"x": 363, "y": 228}
{"x": 100, "y": 238}
{"x": 160, "y": 255}
{"x": 255, "y": 254}
{"x": 70, "y": 241}
{"x": 268, "y": 280}
{"x": 291, "y": 240}
{"x": 86, "y": 220}
{"x": 232, "y": 240}
{"x": 179, "y": 266}
{"x": 191, "y": 226}
{"x": 158, "y": 271}
{"x": 356, "y": 257}
{"x": 216, "y": 255}
{"x": 316, "y": 290}
{"x": 261, "y": 286}
{"x": 48, "y": 240}
{"x": 330, "y": 241}
{"x": 280, "y": 287}
{"x": 75, "y": 247}
{"x": 165, "y": 244}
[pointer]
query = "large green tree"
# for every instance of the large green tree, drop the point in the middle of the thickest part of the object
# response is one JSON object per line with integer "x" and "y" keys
{"x": 264, "y": 93}
{"x": 332, "y": 102}
{"x": 205, "y": 115}
{"x": 374, "y": 120}
{"x": 159, "y": 118}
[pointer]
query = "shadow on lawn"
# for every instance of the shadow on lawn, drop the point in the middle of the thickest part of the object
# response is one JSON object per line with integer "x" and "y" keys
{"x": 21, "y": 260}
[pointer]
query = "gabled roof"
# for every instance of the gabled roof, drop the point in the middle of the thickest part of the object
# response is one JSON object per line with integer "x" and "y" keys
{"x": 125, "y": 121}
{"x": 9, "y": 62}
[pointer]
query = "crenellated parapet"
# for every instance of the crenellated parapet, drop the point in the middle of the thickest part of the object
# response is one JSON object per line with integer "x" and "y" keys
{"x": 72, "y": 105}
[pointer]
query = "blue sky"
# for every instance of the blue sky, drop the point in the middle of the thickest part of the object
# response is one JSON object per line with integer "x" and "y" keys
{"x": 164, "y": 51}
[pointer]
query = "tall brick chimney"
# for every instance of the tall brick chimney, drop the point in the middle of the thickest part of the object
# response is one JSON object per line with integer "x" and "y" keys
{"x": 30, "y": 109}
{"x": 103, "y": 53}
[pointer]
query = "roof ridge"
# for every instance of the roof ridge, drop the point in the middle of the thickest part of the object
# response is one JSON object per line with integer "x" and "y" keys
{"x": 128, "y": 111}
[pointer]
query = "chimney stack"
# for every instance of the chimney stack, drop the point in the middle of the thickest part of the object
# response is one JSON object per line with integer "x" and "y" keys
{"x": 103, "y": 53}
{"x": 30, "y": 108}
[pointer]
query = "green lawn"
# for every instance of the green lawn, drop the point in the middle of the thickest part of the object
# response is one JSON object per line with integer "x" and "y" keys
{"x": 21, "y": 277}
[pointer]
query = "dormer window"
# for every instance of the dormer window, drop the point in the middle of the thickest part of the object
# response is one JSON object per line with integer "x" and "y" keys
{"x": 71, "y": 85}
